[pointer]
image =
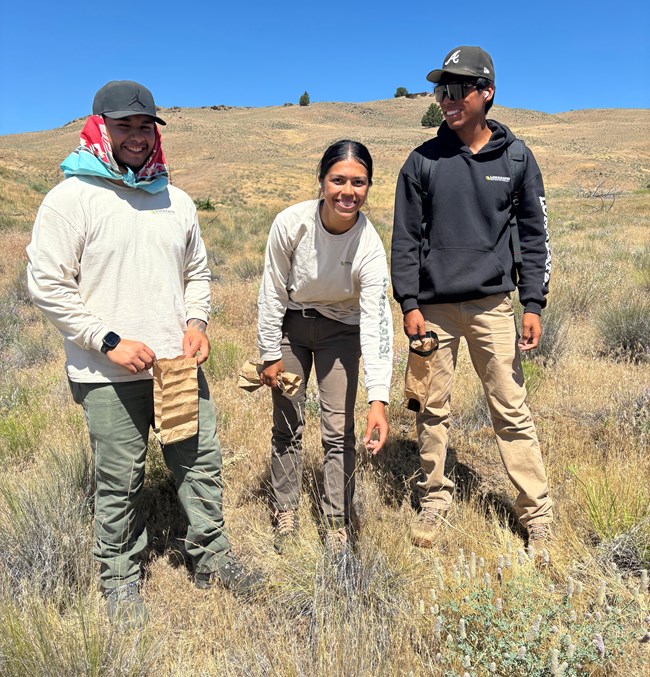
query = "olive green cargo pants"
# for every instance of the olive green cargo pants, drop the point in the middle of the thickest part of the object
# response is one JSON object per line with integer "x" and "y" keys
{"x": 119, "y": 416}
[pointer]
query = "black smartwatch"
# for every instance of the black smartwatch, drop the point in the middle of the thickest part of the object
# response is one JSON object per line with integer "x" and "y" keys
{"x": 110, "y": 341}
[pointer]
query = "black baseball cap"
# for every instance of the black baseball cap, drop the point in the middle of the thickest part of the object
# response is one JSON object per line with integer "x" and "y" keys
{"x": 121, "y": 98}
{"x": 466, "y": 61}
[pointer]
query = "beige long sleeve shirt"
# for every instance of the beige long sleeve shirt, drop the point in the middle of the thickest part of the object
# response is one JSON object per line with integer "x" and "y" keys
{"x": 343, "y": 277}
{"x": 105, "y": 257}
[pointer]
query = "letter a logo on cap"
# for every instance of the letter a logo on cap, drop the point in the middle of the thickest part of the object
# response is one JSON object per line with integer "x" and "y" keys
{"x": 454, "y": 57}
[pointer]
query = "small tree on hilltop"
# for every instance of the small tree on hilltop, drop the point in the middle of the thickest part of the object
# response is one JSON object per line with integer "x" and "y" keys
{"x": 304, "y": 99}
{"x": 400, "y": 91}
{"x": 433, "y": 117}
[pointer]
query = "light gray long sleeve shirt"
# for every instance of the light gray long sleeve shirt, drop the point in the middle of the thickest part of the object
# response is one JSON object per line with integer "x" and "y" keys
{"x": 344, "y": 277}
{"x": 105, "y": 257}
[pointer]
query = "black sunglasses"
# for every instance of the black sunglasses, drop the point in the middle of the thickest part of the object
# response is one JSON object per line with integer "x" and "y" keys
{"x": 455, "y": 91}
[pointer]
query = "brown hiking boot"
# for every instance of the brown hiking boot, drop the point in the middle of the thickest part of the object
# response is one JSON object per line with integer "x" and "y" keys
{"x": 286, "y": 529}
{"x": 540, "y": 541}
{"x": 426, "y": 525}
{"x": 337, "y": 539}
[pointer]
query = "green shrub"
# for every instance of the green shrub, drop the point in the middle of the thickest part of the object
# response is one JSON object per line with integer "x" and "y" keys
{"x": 7, "y": 222}
{"x": 224, "y": 360}
{"x": 533, "y": 375}
{"x": 433, "y": 117}
{"x": 22, "y": 424}
{"x": 625, "y": 330}
{"x": 618, "y": 510}
{"x": 40, "y": 186}
{"x": 518, "y": 632}
{"x": 613, "y": 504}
{"x": 204, "y": 204}
{"x": 21, "y": 433}
{"x": 304, "y": 100}
{"x": 400, "y": 91}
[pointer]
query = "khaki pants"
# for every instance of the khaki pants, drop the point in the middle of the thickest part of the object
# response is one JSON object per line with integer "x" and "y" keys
{"x": 489, "y": 328}
{"x": 334, "y": 350}
{"x": 119, "y": 416}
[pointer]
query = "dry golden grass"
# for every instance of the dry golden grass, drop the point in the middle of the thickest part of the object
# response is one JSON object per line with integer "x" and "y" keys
{"x": 400, "y": 610}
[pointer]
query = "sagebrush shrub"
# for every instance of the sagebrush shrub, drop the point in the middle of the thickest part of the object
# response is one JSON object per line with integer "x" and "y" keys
{"x": 249, "y": 269}
{"x": 625, "y": 330}
{"x": 584, "y": 289}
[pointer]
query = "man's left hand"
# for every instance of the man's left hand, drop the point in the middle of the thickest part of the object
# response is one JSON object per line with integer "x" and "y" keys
{"x": 196, "y": 344}
{"x": 531, "y": 331}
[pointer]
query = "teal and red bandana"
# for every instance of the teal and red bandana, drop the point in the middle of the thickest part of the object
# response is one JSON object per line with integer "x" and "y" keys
{"x": 94, "y": 157}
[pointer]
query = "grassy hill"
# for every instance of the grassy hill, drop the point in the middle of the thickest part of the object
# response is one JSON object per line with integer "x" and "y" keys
{"x": 250, "y": 156}
{"x": 473, "y": 605}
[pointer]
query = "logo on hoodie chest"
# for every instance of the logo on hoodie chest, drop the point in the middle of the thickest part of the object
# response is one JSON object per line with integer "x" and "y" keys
{"x": 502, "y": 179}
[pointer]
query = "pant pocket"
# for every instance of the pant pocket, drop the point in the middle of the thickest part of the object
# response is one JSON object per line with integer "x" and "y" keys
{"x": 419, "y": 369}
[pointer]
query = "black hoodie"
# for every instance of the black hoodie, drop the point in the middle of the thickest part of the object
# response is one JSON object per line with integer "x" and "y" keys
{"x": 451, "y": 239}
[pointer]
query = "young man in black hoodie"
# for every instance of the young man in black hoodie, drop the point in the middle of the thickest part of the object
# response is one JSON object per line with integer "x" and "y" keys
{"x": 453, "y": 269}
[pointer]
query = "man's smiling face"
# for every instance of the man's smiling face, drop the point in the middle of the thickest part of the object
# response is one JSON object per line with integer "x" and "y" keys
{"x": 132, "y": 139}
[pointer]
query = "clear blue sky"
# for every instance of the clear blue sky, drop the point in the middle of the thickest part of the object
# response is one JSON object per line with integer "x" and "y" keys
{"x": 551, "y": 56}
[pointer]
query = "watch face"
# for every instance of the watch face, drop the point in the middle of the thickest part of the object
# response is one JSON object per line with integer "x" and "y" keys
{"x": 110, "y": 341}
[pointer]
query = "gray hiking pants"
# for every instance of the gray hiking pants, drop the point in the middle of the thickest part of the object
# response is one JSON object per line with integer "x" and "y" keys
{"x": 334, "y": 349}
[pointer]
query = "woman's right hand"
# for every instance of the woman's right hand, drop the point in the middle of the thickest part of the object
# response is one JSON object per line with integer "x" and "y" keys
{"x": 270, "y": 373}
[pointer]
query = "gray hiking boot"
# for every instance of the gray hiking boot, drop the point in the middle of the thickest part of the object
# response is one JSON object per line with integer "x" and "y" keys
{"x": 286, "y": 529}
{"x": 125, "y": 607}
{"x": 232, "y": 576}
{"x": 426, "y": 525}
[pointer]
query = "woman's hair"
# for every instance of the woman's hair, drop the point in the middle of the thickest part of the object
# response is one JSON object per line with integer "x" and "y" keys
{"x": 345, "y": 150}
